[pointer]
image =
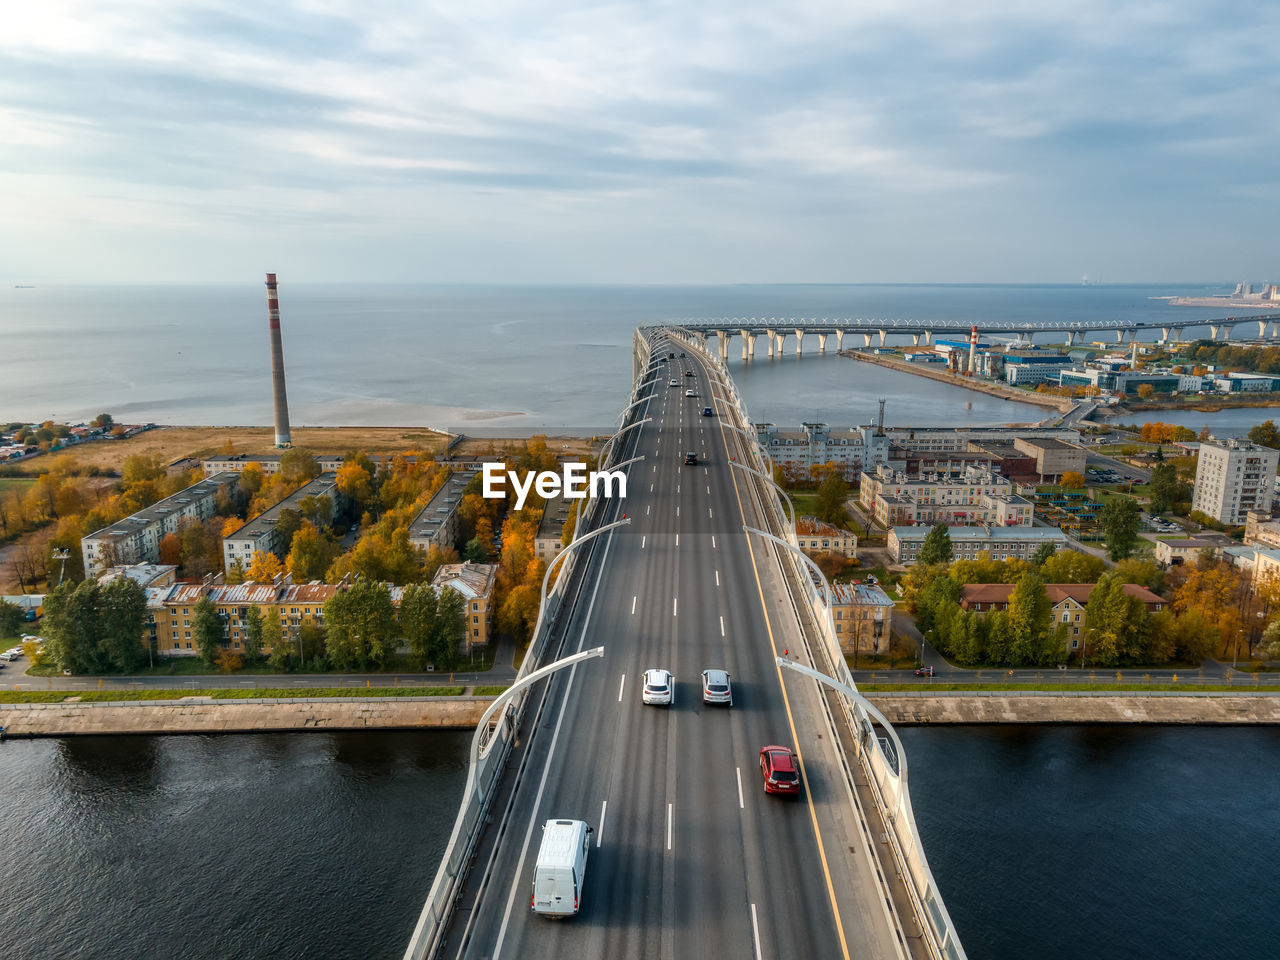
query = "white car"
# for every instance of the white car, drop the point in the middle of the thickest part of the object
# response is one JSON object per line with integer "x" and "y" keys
{"x": 659, "y": 688}
{"x": 690, "y": 393}
{"x": 716, "y": 687}
{"x": 675, "y": 383}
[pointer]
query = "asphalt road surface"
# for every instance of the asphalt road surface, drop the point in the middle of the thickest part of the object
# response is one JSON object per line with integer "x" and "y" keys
{"x": 689, "y": 858}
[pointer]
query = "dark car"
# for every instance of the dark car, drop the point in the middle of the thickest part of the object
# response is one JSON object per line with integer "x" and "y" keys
{"x": 672, "y": 356}
{"x": 780, "y": 771}
{"x": 706, "y": 411}
{"x": 924, "y": 671}
{"x": 691, "y": 459}
{"x": 688, "y": 373}
{"x": 682, "y": 354}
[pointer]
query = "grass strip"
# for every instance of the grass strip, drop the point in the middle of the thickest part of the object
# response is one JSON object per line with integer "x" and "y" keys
{"x": 110, "y": 696}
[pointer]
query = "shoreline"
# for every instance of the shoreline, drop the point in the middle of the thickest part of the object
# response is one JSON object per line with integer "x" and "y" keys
{"x": 1060, "y": 404}
{"x": 307, "y": 714}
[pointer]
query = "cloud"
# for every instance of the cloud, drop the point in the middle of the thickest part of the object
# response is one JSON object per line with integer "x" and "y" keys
{"x": 985, "y": 124}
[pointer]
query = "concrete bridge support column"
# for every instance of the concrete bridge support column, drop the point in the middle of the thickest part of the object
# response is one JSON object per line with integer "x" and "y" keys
{"x": 839, "y": 340}
{"x": 782, "y": 342}
{"x": 928, "y": 336}
{"x": 773, "y": 338}
{"x": 1071, "y": 338}
{"x": 915, "y": 339}
{"x": 799, "y": 341}
{"x": 866, "y": 337}
{"x": 1164, "y": 334}
{"x": 1119, "y": 336}
{"x": 822, "y": 343}
{"x": 724, "y": 336}
{"x": 883, "y": 334}
{"x": 748, "y": 345}
{"x": 1262, "y": 328}
{"x": 1213, "y": 331}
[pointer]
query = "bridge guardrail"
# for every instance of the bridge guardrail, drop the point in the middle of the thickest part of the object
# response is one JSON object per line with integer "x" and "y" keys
{"x": 887, "y": 777}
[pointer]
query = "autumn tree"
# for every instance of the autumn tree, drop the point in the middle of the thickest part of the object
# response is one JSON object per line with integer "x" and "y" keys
{"x": 171, "y": 550}
{"x": 311, "y": 554}
{"x": 206, "y": 629}
{"x": 252, "y": 479}
{"x": 1265, "y": 434}
{"x": 253, "y": 638}
{"x": 298, "y": 465}
{"x": 195, "y": 551}
{"x": 1117, "y": 623}
{"x": 1146, "y": 391}
{"x": 1071, "y": 566}
{"x": 274, "y": 640}
{"x": 832, "y": 493}
{"x": 264, "y": 567}
{"x": 518, "y": 613}
{"x": 355, "y": 482}
{"x": 1030, "y": 622}
{"x": 1043, "y": 553}
{"x": 1073, "y": 480}
{"x": 983, "y": 569}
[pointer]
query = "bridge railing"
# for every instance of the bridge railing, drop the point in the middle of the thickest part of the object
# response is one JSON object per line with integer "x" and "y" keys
{"x": 886, "y": 772}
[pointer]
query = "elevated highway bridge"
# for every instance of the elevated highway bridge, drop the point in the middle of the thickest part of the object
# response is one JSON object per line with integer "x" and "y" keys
{"x": 690, "y": 858}
{"x": 777, "y": 330}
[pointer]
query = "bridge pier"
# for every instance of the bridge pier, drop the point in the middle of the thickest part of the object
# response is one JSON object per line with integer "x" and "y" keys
{"x": 1071, "y": 338}
{"x": 822, "y": 343}
{"x": 799, "y": 341}
{"x": 1213, "y": 331}
{"x": 928, "y": 336}
{"x": 882, "y": 336}
{"x": 866, "y": 337}
{"x": 915, "y": 339}
{"x": 782, "y": 342}
{"x": 748, "y": 345}
{"x": 1262, "y": 328}
{"x": 839, "y": 340}
{"x": 724, "y": 336}
{"x": 1119, "y": 336}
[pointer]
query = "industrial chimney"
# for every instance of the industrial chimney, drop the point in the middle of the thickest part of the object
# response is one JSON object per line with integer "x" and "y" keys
{"x": 277, "y": 364}
{"x": 973, "y": 348}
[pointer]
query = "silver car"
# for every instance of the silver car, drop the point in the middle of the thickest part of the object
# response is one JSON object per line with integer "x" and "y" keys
{"x": 659, "y": 688}
{"x": 717, "y": 687}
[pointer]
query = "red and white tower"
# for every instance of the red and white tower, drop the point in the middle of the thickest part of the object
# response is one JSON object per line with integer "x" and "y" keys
{"x": 973, "y": 351}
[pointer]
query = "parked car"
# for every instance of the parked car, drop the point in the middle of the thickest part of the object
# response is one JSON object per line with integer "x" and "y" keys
{"x": 659, "y": 688}
{"x": 717, "y": 687}
{"x": 780, "y": 771}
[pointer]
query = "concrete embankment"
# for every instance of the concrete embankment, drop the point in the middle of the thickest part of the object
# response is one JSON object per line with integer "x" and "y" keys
{"x": 203, "y": 715}
{"x": 910, "y": 709}
{"x": 1061, "y": 404}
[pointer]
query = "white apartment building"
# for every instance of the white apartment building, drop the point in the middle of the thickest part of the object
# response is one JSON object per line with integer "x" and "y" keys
{"x": 259, "y": 535}
{"x": 438, "y": 524}
{"x": 1234, "y": 477}
{"x": 978, "y": 497}
{"x": 136, "y": 539}
{"x": 853, "y": 449}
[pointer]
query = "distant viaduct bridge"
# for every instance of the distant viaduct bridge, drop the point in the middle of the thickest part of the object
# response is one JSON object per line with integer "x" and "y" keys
{"x": 775, "y": 330}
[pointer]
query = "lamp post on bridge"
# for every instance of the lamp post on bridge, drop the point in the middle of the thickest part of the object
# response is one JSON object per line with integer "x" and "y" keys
{"x": 608, "y": 443}
{"x": 822, "y": 578}
{"x": 756, "y": 473}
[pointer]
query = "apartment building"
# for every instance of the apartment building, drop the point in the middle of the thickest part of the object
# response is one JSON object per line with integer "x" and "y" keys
{"x": 967, "y": 542}
{"x": 269, "y": 462}
{"x": 475, "y": 583}
{"x": 979, "y": 497}
{"x": 438, "y": 523}
{"x": 555, "y": 514}
{"x": 863, "y": 615}
{"x": 259, "y": 535}
{"x": 1234, "y": 477}
{"x": 817, "y": 536}
{"x": 797, "y": 451}
{"x": 136, "y": 539}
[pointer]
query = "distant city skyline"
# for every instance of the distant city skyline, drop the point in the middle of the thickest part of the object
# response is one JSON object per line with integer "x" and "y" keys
{"x": 638, "y": 142}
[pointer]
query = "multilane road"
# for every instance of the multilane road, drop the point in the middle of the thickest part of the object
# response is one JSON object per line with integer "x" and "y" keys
{"x": 690, "y": 858}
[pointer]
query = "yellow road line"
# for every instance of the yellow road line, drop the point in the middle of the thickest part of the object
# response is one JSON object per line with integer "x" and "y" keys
{"x": 786, "y": 703}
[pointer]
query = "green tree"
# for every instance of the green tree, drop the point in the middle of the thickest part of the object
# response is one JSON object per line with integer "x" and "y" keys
{"x": 253, "y": 639}
{"x": 11, "y": 619}
{"x": 451, "y": 623}
{"x": 70, "y": 628}
{"x": 1166, "y": 489}
{"x": 418, "y": 606}
{"x": 477, "y": 551}
{"x": 1271, "y": 640}
{"x": 206, "y": 629}
{"x": 832, "y": 494}
{"x": 1119, "y": 519}
{"x": 288, "y": 522}
{"x": 360, "y": 626}
{"x": 1030, "y": 618}
{"x": 273, "y": 638}
{"x": 195, "y": 551}
{"x": 1043, "y": 553}
{"x": 935, "y": 601}
{"x": 1118, "y": 624}
{"x": 122, "y": 611}
{"x": 937, "y": 546}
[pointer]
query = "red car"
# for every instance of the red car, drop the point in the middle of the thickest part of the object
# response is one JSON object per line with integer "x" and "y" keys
{"x": 780, "y": 771}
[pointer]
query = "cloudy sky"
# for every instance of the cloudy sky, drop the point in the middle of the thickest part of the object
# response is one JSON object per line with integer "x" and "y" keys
{"x": 717, "y": 141}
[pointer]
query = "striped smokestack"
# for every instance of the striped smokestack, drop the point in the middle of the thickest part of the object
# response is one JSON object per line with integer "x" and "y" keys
{"x": 277, "y": 364}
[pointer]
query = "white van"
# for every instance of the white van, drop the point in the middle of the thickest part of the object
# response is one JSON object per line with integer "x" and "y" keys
{"x": 561, "y": 866}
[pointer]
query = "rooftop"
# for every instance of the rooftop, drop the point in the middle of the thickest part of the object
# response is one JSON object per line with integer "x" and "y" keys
{"x": 321, "y": 486}
{"x": 164, "y": 508}
{"x": 983, "y": 533}
{"x": 866, "y": 594}
{"x": 813, "y": 527}
{"x": 444, "y": 502}
{"x": 1057, "y": 592}
{"x": 472, "y": 580}
{"x": 554, "y": 516}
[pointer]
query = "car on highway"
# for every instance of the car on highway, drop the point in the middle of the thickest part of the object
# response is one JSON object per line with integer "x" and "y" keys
{"x": 688, "y": 373}
{"x": 780, "y": 771}
{"x": 659, "y": 688}
{"x": 690, "y": 393}
{"x": 691, "y": 459}
{"x": 674, "y": 382}
{"x": 561, "y": 868}
{"x": 924, "y": 671}
{"x": 706, "y": 412}
{"x": 717, "y": 687}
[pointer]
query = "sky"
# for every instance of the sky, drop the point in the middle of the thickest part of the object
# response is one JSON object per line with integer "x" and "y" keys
{"x": 670, "y": 142}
